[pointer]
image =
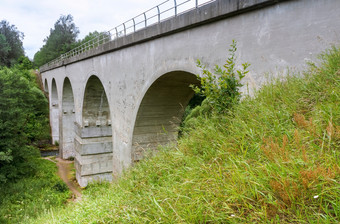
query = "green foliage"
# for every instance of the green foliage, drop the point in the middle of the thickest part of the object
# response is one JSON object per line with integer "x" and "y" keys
{"x": 221, "y": 87}
{"x": 32, "y": 195}
{"x": 24, "y": 63}
{"x": 274, "y": 159}
{"x": 11, "y": 47}
{"x": 61, "y": 39}
{"x": 23, "y": 121}
{"x": 98, "y": 36}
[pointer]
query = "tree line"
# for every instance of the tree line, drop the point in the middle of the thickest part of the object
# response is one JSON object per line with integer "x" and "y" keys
{"x": 62, "y": 38}
{"x": 23, "y": 106}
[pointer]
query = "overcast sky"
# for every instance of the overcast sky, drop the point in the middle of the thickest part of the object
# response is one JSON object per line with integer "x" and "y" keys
{"x": 35, "y": 18}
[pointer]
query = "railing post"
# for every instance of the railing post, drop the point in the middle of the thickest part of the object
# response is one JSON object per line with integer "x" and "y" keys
{"x": 145, "y": 20}
{"x": 159, "y": 14}
{"x": 134, "y": 25}
{"x": 109, "y": 36}
{"x": 196, "y": 4}
{"x": 175, "y": 7}
{"x": 116, "y": 32}
{"x": 124, "y": 29}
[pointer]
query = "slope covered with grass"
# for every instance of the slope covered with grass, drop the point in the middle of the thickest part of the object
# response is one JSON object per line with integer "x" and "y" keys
{"x": 275, "y": 158}
{"x": 32, "y": 195}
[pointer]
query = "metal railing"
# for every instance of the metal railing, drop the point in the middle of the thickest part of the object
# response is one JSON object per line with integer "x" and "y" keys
{"x": 138, "y": 22}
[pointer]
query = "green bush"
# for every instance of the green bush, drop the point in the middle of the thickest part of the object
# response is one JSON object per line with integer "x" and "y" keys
{"x": 32, "y": 195}
{"x": 23, "y": 121}
{"x": 221, "y": 86}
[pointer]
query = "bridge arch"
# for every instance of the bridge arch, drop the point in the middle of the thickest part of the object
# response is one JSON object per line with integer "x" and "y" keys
{"x": 54, "y": 114}
{"x": 67, "y": 121}
{"x": 46, "y": 86}
{"x": 160, "y": 111}
{"x": 96, "y": 110}
{"x": 93, "y": 137}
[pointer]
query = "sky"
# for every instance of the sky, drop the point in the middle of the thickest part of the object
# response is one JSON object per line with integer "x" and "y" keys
{"x": 35, "y": 18}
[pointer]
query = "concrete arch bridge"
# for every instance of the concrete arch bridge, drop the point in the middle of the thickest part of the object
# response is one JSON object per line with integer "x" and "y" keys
{"x": 112, "y": 102}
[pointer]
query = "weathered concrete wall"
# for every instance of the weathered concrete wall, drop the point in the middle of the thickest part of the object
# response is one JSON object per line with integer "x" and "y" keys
{"x": 271, "y": 37}
{"x": 66, "y": 123}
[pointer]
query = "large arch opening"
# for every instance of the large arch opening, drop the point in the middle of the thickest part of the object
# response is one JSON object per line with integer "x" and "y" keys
{"x": 160, "y": 112}
{"x": 93, "y": 139}
{"x": 54, "y": 115}
{"x": 66, "y": 148}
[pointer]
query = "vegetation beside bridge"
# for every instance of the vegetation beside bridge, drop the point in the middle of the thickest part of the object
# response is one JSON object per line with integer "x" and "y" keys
{"x": 273, "y": 158}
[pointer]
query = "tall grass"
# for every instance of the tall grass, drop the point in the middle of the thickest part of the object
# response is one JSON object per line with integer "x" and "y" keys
{"x": 274, "y": 159}
{"x": 32, "y": 195}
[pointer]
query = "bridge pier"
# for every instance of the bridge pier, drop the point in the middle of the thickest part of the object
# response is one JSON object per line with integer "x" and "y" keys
{"x": 93, "y": 154}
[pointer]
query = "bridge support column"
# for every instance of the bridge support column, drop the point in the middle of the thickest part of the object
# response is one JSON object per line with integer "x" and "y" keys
{"x": 93, "y": 148}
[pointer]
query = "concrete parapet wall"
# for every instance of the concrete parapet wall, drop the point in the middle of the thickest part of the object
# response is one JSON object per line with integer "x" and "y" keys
{"x": 208, "y": 13}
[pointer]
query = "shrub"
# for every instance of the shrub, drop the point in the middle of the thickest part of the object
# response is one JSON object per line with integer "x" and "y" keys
{"x": 23, "y": 120}
{"x": 221, "y": 86}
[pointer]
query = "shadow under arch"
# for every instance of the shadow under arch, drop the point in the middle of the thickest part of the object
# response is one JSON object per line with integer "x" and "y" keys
{"x": 46, "y": 86}
{"x": 160, "y": 112}
{"x": 54, "y": 114}
{"x": 96, "y": 110}
{"x": 66, "y": 146}
{"x": 93, "y": 137}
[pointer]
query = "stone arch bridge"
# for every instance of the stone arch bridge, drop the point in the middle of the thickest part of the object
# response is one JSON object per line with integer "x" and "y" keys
{"x": 111, "y": 103}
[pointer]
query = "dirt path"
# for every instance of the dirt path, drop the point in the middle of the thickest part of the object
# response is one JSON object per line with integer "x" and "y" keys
{"x": 64, "y": 171}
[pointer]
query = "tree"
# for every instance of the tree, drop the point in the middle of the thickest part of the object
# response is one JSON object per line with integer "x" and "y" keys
{"x": 23, "y": 120}
{"x": 60, "y": 40}
{"x": 11, "y": 47}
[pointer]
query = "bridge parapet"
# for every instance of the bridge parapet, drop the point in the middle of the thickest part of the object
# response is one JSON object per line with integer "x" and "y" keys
{"x": 118, "y": 37}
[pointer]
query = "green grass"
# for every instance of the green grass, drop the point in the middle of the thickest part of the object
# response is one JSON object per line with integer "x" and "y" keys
{"x": 31, "y": 196}
{"x": 274, "y": 159}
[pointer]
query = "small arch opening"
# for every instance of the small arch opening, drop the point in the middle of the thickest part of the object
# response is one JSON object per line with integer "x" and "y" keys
{"x": 96, "y": 110}
{"x": 46, "y": 86}
{"x": 54, "y": 113}
{"x": 68, "y": 117}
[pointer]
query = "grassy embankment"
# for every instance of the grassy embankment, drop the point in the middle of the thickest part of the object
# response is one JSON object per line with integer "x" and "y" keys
{"x": 275, "y": 158}
{"x": 32, "y": 195}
